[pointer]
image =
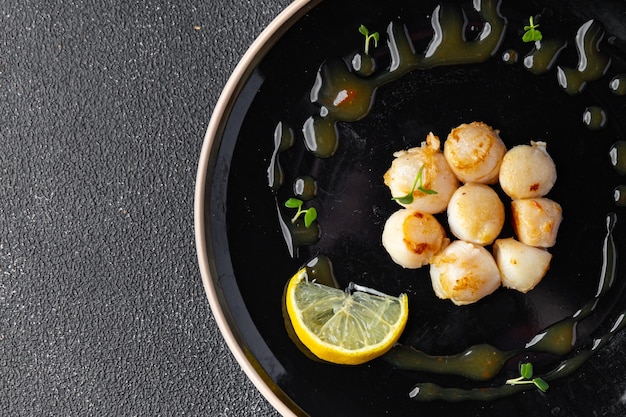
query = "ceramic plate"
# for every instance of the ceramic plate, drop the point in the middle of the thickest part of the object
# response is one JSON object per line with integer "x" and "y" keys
{"x": 430, "y": 76}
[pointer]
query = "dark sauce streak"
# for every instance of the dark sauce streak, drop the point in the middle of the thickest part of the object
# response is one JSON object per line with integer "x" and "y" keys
{"x": 557, "y": 339}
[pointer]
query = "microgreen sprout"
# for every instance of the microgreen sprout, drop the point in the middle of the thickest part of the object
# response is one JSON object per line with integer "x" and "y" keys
{"x": 531, "y": 33}
{"x": 310, "y": 214}
{"x": 417, "y": 184}
{"x": 526, "y": 377}
{"x": 368, "y": 37}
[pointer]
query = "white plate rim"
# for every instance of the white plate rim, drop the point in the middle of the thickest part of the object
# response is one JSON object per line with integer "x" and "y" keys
{"x": 263, "y": 43}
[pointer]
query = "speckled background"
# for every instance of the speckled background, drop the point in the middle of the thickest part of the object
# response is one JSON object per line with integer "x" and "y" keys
{"x": 104, "y": 106}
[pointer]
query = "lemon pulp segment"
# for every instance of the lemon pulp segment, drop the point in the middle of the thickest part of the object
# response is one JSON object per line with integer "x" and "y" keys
{"x": 344, "y": 328}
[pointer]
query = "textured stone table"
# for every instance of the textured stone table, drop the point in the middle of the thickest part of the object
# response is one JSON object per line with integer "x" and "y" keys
{"x": 104, "y": 106}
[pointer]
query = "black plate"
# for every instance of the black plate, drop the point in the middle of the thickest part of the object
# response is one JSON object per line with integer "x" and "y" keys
{"x": 246, "y": 261}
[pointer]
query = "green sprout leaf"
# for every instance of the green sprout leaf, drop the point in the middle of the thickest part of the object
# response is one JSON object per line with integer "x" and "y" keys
{"x": 531, "y": 34}
{"x": 310, "y": 214}
{"x": 541, "y": 384}
{"x": 526, "y": 372}
{"x": 417, "y": 184}
{"x": 293, "y": 203}
{"x": 369, "y": 37}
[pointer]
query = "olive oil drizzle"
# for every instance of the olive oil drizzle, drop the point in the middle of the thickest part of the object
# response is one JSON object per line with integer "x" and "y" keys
{"x": 485, "y": 362}
{"x": 558, "y": 339}
{"x": 346, "y": 93}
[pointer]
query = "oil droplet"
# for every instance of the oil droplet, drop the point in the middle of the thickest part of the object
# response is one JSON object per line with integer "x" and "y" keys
{"x": 617, "y": 155}
{"x": 320, "y": 269}
{"x": 510, "y": 56}
{"x": 320, "y": 136}
{"x": 619, "y": 195}
{"x": 346, "y": 96}
{"x": 283, "y": 140}
{"x": 449, "y": 45}
{"x": 305, "y": 187}
{"x": 296, "y": 234}
{"x": 557, "y": 339}
{"x": 363, "y": 64}
{"x": 618, "y": 85}
{"x": 543, "y": 56}
{"x": 594, "y": 117}
{"x": 592, "y": 64}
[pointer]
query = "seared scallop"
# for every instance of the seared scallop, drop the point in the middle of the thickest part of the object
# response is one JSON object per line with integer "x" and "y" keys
{"x": 522, "y": 267}
{"x": 476, "y": 214}
{"x": 412, "y": 238}
{"x": 464, "y": 273}
{"x": 527, "y": 171}
{"x": 474, "y": 152}
{"x": 536, "y": 221}
{"x": 424, "y": 174}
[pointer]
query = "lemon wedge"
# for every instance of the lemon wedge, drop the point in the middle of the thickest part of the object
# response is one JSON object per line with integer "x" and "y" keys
{"x": 342, "y": 327}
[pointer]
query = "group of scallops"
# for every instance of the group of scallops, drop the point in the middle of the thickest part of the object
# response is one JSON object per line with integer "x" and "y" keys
{"x": 459, "y": 181}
